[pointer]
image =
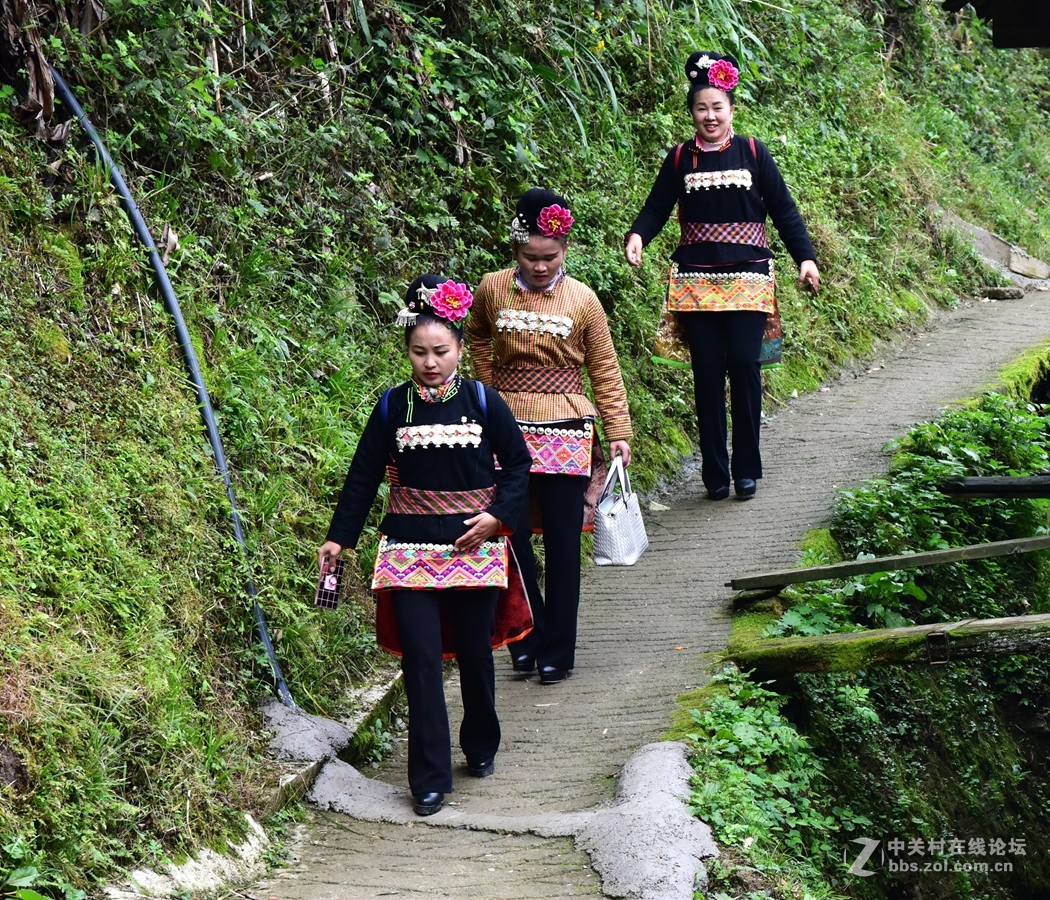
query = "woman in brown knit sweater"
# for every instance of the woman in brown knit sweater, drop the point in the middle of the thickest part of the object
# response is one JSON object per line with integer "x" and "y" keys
{"x": 532, "y": 332}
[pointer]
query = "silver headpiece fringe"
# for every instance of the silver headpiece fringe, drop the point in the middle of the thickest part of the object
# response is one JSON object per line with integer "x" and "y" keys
{"x": 519, "y": 233}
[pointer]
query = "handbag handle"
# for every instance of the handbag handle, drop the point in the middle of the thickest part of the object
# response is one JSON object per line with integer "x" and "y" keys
{"x": 617, "y": 471}
{"x": 625, "y": 478}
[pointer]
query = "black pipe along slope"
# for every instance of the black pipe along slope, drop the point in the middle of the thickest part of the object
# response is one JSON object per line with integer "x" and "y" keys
{"x": 189, "y": 357}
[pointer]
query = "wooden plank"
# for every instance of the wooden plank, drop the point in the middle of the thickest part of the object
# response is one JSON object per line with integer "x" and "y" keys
{"x": 895, "y": 646}
{"x": 1035, "y": 486}
{"x": 785, "y": 577}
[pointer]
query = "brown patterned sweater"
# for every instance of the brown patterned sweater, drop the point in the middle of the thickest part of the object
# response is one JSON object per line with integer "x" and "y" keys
{"x": 568, "y": 330}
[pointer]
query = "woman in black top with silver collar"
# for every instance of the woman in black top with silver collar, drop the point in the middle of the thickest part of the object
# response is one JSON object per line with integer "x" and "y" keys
{"x": 443, "y": 554}
{"x": 720, "y": 288}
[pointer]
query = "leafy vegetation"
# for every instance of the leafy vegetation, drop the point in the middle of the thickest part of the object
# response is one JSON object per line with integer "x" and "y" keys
{"x": 312, "y": 159}
{"x": 956, "y": 753}
{"x": 761, "y": 787}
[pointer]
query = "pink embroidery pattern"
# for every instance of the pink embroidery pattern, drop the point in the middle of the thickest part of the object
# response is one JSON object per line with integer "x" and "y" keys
{"x": 439, "y": 566}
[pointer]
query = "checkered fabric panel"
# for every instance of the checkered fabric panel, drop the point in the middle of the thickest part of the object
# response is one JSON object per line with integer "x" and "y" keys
{"x": 415, "y": 502}
{"x": 752, "y": 233}
{"x": 538, "y": 380}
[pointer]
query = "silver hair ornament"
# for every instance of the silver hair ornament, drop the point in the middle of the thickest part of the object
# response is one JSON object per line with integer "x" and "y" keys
{"x": 519, "y": 234}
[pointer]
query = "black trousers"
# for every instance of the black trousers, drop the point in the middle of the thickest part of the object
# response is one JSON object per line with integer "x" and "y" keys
{"x": 552, "y": 640}
{"x": 473, "y": 617}
{"x": 721, "y": 344}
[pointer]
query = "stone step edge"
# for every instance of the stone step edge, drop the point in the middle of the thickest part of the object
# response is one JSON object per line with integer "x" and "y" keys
{"x": 209, "y": 873}
{"x": 350, "y": 742}
{"x": 1003, "y": 255}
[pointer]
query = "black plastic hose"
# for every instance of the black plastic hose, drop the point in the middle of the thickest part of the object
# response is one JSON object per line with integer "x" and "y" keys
{"x": 189, "y": 357}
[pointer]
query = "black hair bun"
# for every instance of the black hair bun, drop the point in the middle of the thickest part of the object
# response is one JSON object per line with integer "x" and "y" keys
{"x": 698, "y": 63}
{"x": 533, "y": 202}
{"x": 412, "y": 301}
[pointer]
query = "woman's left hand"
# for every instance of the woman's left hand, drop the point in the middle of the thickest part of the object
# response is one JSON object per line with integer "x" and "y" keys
{"x": 623, "y": 448}
{"x": 808, "y": 274}
{"x": 484, "y": 526}
{"x": 328, "y": 553}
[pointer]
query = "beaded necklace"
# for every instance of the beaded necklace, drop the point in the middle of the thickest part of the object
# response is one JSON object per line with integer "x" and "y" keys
{"x": 706, "y": 147}
{"x": 439, "y": 394}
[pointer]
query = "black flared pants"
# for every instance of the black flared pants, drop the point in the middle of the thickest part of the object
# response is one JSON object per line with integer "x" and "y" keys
{"x": 552, "y": 640}
{"x": 725, "y": 344}
{"x": 473, "y": 617}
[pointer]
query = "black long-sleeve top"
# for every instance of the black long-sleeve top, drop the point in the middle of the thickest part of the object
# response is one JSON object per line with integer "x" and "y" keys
{"x": 441, "y": 467}
{"x": 729, "y": 204}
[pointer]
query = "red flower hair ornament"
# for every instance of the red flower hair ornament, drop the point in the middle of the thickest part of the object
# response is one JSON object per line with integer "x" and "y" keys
{"x": 554, "y": 221}
{"x": 451, "y": 300}
{"x": 723, "y": 75}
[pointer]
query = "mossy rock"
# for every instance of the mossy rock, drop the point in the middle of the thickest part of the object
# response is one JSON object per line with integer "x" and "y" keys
{"x": 49, "y": 339}
{"x": 820, "y": 543}
{"x": 751, "y": 627}
{"x": 682, "y": 723}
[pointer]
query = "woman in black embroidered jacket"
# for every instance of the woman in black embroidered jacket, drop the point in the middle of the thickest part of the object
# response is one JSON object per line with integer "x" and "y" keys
{"x": 720, "y": 289}
{"x": 434, "y": 438}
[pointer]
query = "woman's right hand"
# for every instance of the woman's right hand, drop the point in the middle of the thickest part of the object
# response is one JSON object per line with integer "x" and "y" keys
{"x": 632, "y": 249}
{"x": 329, "y": 550}
{"x": 809, "y": 275}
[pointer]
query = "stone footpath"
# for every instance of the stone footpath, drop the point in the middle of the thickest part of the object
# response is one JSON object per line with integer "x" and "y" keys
{"x": 548, "y": 823}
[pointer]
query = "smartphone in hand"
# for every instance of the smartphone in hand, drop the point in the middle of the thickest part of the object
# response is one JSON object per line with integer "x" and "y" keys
{"x": 329, "y": 584}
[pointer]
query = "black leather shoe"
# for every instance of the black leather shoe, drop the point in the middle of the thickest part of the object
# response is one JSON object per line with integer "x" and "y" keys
{"x": 427, "y": 804}
{"x": 718, "y": 493}
{"x": 524, "y": 663}
{"x": 550, "y": 675}
{"x": 482, "y": 768}
{"x": 745, "y": 488}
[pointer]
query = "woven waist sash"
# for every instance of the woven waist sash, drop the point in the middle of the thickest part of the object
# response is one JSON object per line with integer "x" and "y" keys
{"x": 752, "y": 233}
{"x": 538, "y": 380}
{"x": 409, "y": 501}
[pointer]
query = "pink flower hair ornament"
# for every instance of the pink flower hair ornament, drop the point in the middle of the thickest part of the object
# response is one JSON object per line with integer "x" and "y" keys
{"x": 554, "y": 221}
{"x": 723, "y": 75}
{"x": 451, "y": 300}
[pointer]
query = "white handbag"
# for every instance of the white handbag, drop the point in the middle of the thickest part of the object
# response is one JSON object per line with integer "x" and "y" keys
{"x": 619, "y": 533}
